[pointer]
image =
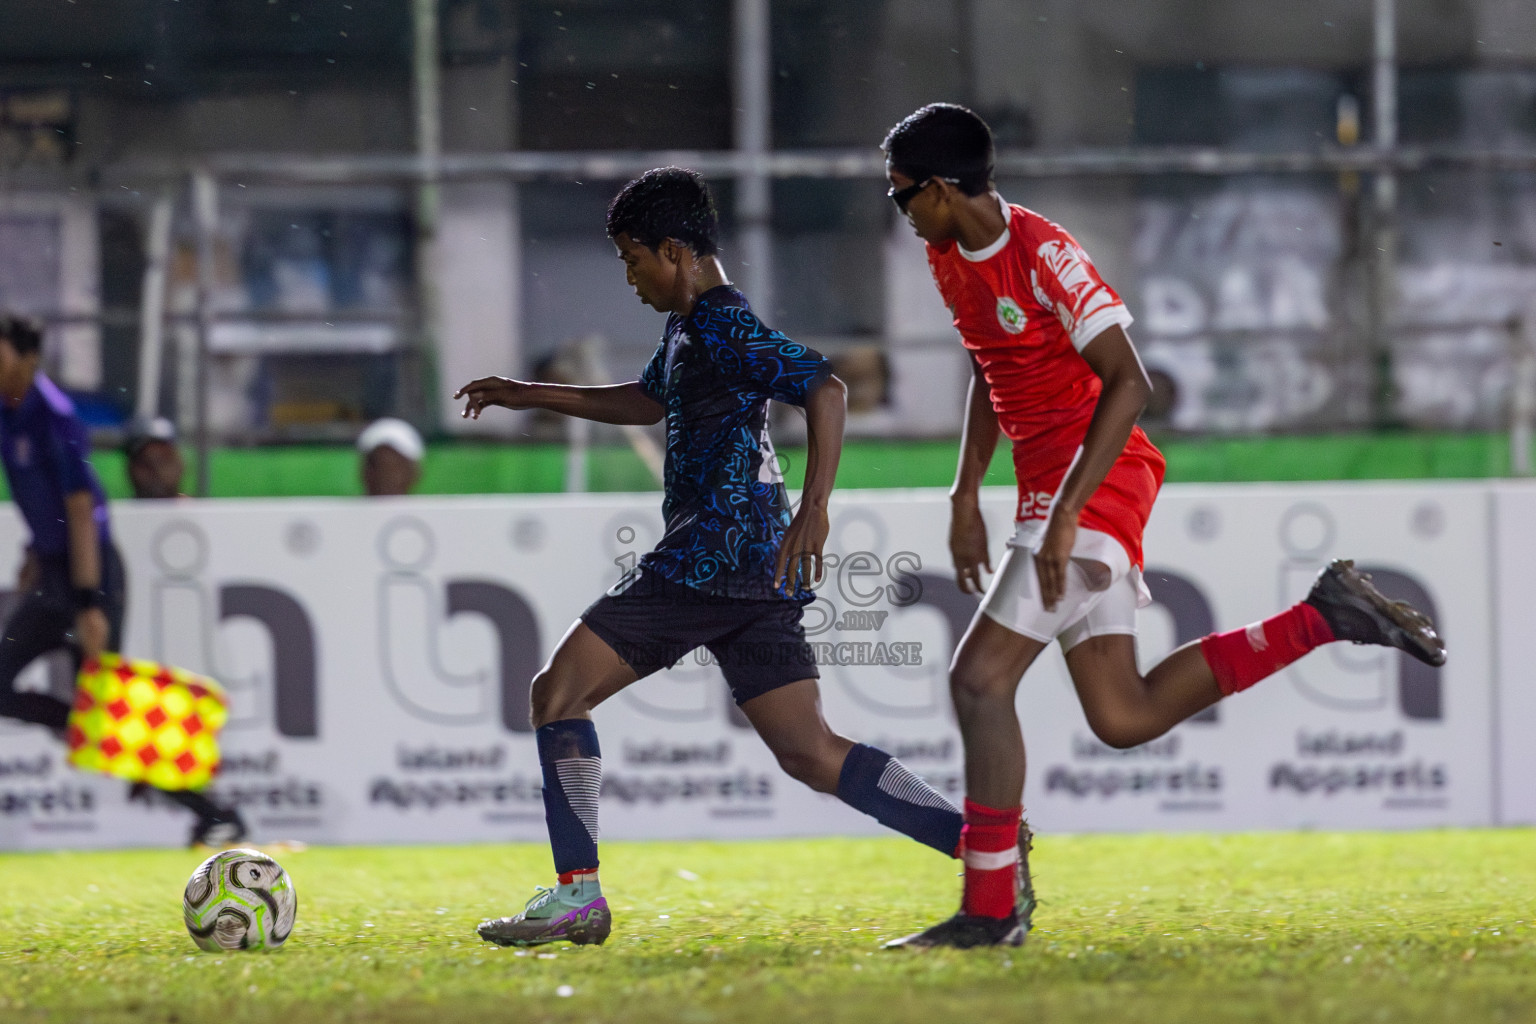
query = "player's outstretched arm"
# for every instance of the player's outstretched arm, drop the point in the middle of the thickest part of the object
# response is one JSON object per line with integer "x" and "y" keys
{"x": 608, "y": 403}
{"x": 1126, "y": 389}
{"x": 967, "y": 529}
{"x": 826, "y": 411}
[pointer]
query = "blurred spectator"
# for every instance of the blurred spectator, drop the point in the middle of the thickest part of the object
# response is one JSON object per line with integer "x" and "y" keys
{"x": 867, "y": 372}
{"x": 154, "y": 462}
{"x": 391, "y": 451}
{"x": 569, "y": 363}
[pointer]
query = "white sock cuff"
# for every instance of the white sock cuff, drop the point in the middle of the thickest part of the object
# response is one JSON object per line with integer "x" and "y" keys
{"x": 984, "y": 861}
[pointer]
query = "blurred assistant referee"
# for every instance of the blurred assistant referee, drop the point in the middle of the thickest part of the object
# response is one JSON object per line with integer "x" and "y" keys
{"x": 72, "y": 584}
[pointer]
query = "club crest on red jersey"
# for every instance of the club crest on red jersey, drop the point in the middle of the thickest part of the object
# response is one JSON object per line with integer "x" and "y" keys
{"x": 1010, "y": 315}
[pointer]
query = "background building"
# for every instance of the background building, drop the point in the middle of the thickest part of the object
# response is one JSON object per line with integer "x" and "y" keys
{"x": 1323, "y": 215}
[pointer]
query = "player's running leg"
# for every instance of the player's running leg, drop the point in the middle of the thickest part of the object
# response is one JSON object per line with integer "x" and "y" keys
{"x": 33, "y": 629}
{"x": 790, "y": 721}
{"x": 582, "y": 673}
{"x": 1125, "y": 709}
{"x": 998, "y": 899}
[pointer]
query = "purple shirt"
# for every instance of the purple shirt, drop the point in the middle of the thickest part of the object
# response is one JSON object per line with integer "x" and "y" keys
{"x": 45, "y": 449}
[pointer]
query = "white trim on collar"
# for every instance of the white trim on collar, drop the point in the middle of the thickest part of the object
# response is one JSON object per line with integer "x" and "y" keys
{"x": 998, "y": 244}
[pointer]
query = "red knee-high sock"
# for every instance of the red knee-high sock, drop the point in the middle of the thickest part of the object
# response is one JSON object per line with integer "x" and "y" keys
{"x": 1242, "y": 657}
{"x": 990, "y": 840}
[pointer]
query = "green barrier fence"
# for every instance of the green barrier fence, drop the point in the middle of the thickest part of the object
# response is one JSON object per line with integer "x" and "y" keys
{"x": 479, "y": 468}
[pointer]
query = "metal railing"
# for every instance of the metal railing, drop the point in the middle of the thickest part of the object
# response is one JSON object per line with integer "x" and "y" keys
{"x": 753, "y": 165}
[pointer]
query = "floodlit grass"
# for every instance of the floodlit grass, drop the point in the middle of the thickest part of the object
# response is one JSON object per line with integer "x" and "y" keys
{"x": 1356, "y": 927}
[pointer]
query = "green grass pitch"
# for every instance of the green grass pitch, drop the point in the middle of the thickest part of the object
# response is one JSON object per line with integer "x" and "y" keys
{"x": 1262, "y": 927}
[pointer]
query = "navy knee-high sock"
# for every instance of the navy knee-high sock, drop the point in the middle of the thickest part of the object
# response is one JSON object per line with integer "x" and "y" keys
{"x": 573, "y": 777}
{"x": 882, "y": 787}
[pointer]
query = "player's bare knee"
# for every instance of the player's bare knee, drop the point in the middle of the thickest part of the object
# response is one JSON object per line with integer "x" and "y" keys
{"x": 552, "y": 699}
{"x": 797, "y": 764}
{"x": 1117, "y": 730}
{"x": 972, "y": 686}
{"x": 810, "y": 767}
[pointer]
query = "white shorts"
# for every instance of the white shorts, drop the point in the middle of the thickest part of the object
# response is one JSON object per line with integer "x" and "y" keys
{"x": 1102, "y": 595}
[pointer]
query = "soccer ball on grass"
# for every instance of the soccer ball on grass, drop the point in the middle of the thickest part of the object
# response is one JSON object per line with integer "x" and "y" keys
{"x": 239, "y": 899}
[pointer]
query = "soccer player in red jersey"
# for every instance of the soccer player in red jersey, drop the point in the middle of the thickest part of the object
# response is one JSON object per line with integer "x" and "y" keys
{"x": 1055, "y": 371}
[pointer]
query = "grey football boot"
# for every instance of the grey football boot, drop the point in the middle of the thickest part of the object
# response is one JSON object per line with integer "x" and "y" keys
{"x": 1024, "y": 901}
{"x": 966, "y": 931}
{"x": 1355, "y": 610}
{"x": 549, "y": 918}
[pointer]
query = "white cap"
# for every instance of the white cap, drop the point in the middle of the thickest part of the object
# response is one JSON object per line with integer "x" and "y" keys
{"x": 397, "y": 434}
{"x": 142, "y": 431}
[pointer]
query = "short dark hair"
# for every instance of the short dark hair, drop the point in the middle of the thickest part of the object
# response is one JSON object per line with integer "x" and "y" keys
{"x": 663, "y": 203}
{"x": 25, "y": 336}
{"x": 943, "y": 140}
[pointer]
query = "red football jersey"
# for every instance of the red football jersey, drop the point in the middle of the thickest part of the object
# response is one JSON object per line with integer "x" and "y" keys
{"x": 1025, "y": 306}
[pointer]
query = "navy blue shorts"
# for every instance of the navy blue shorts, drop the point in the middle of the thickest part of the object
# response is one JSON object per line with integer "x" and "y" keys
{"x": 654, "y": 623}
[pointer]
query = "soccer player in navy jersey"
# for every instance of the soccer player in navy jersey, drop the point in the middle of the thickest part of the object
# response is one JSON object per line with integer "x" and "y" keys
{"x": 732, "y": 572}
{"x": 72, "y": 586}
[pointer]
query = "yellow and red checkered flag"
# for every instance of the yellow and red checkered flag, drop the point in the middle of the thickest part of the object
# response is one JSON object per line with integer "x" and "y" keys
{"x": 146, "y": 722}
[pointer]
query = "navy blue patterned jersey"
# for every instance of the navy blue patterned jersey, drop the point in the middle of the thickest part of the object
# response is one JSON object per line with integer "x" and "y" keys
{"x": 725, "y": 507}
